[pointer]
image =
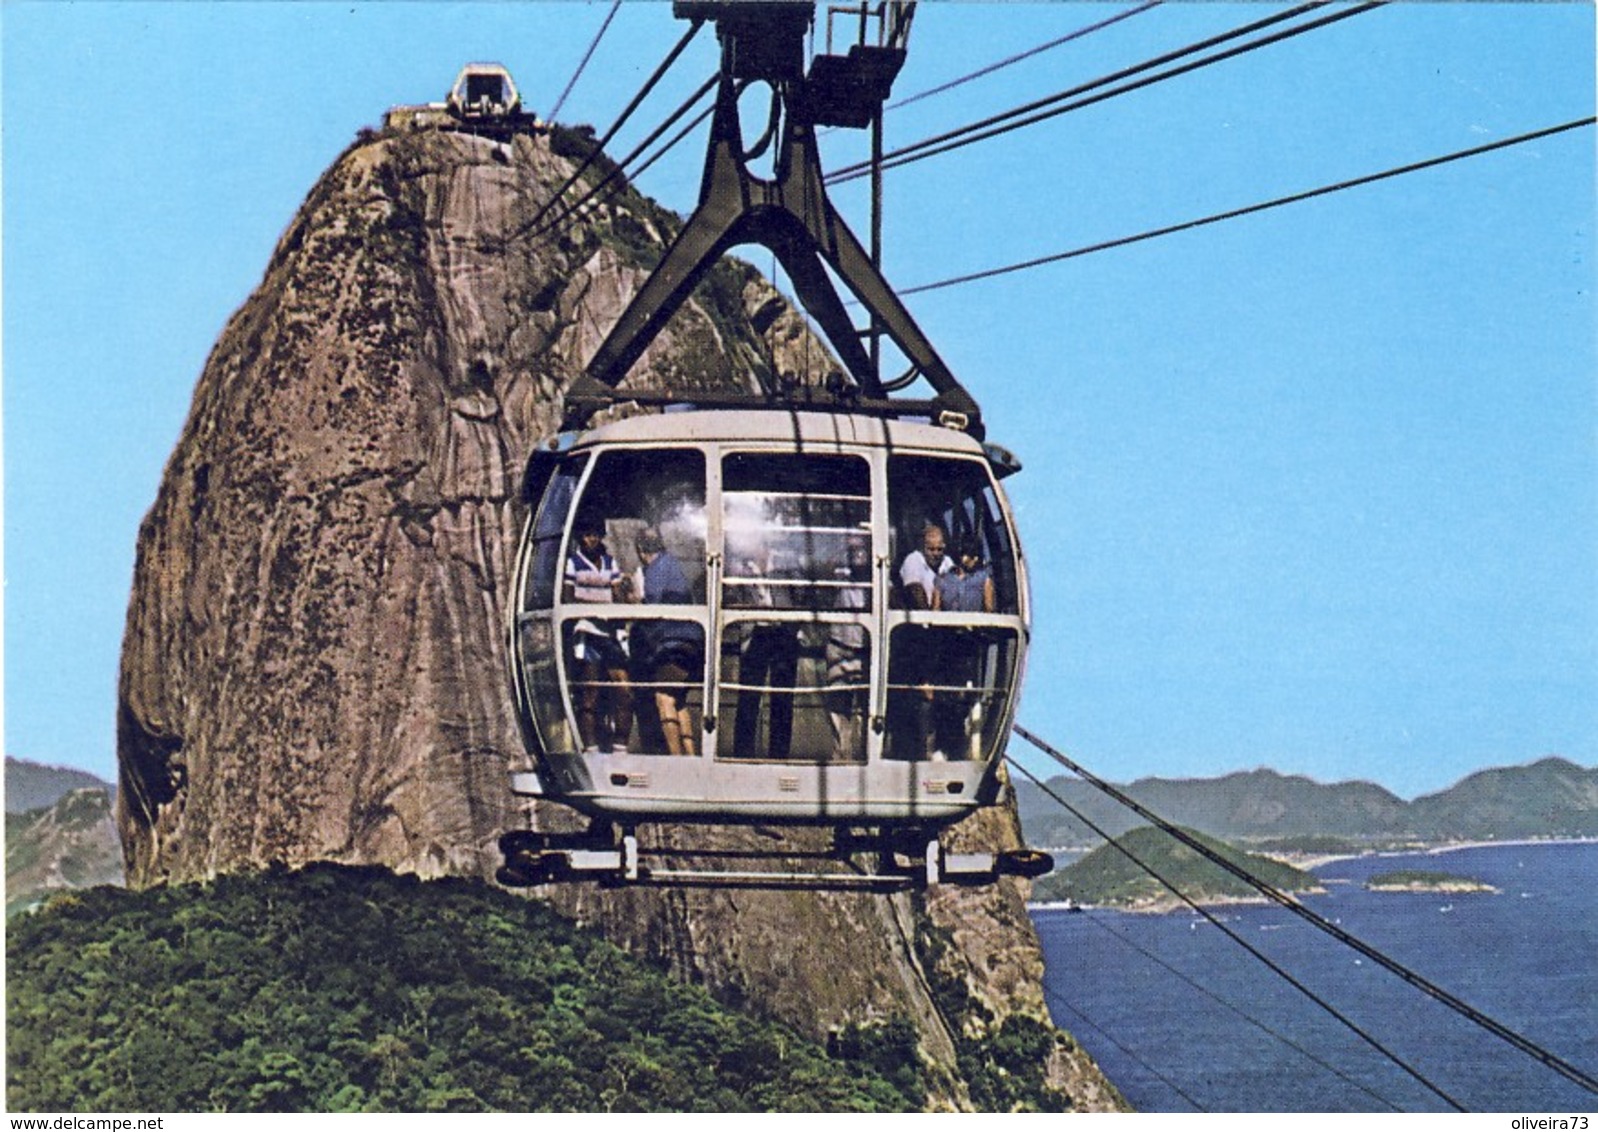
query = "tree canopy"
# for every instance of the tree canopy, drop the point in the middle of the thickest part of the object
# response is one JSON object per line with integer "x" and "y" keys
{"x": 352, "y": 989}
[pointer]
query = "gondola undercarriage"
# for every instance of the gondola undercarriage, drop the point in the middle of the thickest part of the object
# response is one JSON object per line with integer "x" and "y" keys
{"x": 875, "y": 860}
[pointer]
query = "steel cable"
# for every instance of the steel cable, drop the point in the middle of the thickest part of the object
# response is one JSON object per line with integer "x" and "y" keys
{"x": 1235, "y": 213}
{"x": 618, "y": 170}
{"x": 1059, "y": 1000}
{"x": 1069, "y": 37}
{"x": 587, "y": 55}
{"x": 1364, "y": 1035}
{"x": 1309, "y": 1055}
{"x": 599, "y": 146}
{"x": 1426, "y": 986}
{"x": 1002, "y": 123}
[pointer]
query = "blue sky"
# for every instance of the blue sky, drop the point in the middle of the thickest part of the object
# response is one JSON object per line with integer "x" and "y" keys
{"x": 1315, "y": 489}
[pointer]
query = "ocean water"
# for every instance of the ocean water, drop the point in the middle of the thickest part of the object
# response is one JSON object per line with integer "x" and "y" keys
{"x": 1184, "y": 1019}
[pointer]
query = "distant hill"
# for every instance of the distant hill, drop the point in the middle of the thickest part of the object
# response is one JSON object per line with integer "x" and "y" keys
{"x": 1550, "y": 798}
{"x": 1108, "y": 876}
{"x": 30, "y": 785}
{"x": 71, "y": 843}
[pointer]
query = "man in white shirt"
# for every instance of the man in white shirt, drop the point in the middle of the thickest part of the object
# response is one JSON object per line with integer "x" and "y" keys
{"x": 914, "y": 662}
{"x": 921, "y": 568}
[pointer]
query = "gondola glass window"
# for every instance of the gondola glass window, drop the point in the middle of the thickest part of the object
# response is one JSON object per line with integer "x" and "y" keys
{"x": 633, "y": 614}
{"x": 541, "y": 581}
{"x": 959, "y": 498}
{"x": 796, "y": 593}
{"x": 948, "y": 691}
{"x": 954, "y": 642}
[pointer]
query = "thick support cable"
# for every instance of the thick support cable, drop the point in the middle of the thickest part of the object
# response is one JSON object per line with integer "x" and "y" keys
{"x": 1307, "y": 1054}
{"x": 1057, "y": 999}
{"x": 671, "y": 144}
{"x": 1001, "y": 124}
{"x": 620, "y": 169}
{"x": 554, "y": 111}
{"x": 599, "y": 146}
{"x": 1249, "y": 210}
{"x": 1426, "y": 986}
{"x": 1069, "y": 37}
{"x": 1359, "y": 1032}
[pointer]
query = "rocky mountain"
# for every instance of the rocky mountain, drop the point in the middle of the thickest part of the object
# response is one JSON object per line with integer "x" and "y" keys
{"x": 313, "y": 666}
{"x": 31, "y": 785}
{"x": 71, "y": 843}
{"x": 1550, "y": 798}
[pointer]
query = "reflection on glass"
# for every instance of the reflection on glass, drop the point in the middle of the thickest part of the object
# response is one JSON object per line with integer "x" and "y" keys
{"x": 948, "y": 688}
{"x": 536, "y": 644}
{"x": 797, "y": 530}
{"x": 793, "y": 690}
{"x": 548, "y": 528}
{"x": 656, "y": 489}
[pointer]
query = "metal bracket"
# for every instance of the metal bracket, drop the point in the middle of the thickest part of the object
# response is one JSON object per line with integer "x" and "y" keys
{"x": 790, "y": 215}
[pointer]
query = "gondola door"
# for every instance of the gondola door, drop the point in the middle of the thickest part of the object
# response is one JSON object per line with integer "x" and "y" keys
{"x": 796, "y": 607}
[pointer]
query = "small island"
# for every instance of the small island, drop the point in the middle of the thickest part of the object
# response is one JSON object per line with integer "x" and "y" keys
{"x": 1108, "y": 878}
{"x": 1420, "y": 880}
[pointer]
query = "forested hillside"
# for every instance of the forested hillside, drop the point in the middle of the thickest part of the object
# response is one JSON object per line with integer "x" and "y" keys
{"x": 1110, "y": 876}
{"x": 1552, "y": 797}
{"x": 342, "y": 989}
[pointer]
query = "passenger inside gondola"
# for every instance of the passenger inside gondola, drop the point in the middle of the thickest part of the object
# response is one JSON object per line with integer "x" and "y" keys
{"x": 599, "y": 659}
{"x": 632, "y": 668}
{"x": 914, "y": 667}
{"x": 922, "y": 566}
{"x": 967, "y": 587}
{"x": 668, "y": 656}
{"x": 942, "y": 674}
{"x": 960, "y": 500}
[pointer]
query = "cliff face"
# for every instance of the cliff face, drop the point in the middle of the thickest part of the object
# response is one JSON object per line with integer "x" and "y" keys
{"x": 313, "y": 665}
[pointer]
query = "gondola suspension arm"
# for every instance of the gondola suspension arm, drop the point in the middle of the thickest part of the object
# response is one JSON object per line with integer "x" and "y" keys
{"x": 790, "y": 214}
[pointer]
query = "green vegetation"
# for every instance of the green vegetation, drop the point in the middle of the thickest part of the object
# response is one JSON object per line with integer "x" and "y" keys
{"x": 344, "y": 989}
{"x": 1107, "y": 876}
{"x": 22, "y": 850}
{"x": 1004, "y": 1066}
{"x": 1425, "y": 879}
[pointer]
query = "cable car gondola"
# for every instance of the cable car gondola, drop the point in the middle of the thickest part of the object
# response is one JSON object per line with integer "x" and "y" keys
{"x": 793, "y": 607}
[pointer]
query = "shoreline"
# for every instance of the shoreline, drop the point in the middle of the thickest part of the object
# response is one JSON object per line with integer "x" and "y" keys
{"x": 1306, "y": 862}
{"x": 1314, "y": 861}
{"x": 1165, "y": 906}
